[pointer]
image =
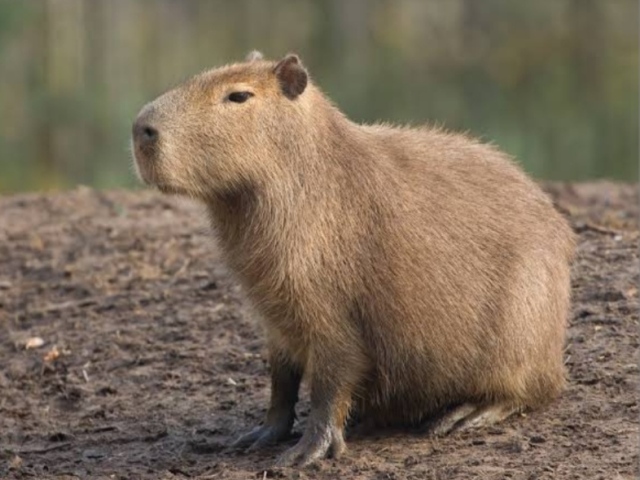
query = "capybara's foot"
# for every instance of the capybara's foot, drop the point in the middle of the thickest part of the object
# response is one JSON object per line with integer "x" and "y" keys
{"x": 469, "y": 415}
{"x": 263, "y": 436}
{"x": 285, "y": 382}
{"x": 317, "y": 443}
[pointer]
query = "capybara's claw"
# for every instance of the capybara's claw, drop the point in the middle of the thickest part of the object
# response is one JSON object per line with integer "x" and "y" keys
{"x": 313, "y": 447}
{"x": 245, "y": 440}
{"x": 261, "y": 437}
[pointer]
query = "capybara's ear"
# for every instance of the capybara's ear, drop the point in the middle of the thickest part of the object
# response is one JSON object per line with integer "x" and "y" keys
{"x": 254, "y": 56}
{"x": 291, "y": 75}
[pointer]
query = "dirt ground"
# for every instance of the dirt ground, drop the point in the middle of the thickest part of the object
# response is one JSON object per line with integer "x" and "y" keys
{"x": 149, "y": 363}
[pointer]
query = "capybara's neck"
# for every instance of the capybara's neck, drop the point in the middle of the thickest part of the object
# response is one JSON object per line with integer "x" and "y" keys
{"x": 311, "y": 168}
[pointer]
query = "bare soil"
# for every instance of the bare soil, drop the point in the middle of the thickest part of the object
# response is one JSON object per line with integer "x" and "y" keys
{"x": 150, "y": 364}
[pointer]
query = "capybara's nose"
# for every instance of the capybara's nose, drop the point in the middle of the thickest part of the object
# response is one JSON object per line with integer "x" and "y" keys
{"x": 145, "y": 135}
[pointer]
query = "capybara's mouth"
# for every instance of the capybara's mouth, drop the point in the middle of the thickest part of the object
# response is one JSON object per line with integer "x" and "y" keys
{"x": 149, "y": 175}
{"x": 143, "y": 173}
{"x": 145, "y": 170}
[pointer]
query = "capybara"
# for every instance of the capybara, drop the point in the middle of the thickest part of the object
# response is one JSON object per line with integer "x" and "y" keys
{"x": 410, "y": 275}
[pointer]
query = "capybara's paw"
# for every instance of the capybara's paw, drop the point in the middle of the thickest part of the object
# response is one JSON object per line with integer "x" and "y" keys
{"x": 315, "y": 444}
{"x": 261, "y": 437}
{"x": 468, "y": 416}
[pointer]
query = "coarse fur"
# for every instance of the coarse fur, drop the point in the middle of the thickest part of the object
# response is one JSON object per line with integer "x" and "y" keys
{"x": 404, "y": 271}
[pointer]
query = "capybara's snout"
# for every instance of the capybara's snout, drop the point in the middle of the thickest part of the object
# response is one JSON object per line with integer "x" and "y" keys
{"x": 145, "y": 136}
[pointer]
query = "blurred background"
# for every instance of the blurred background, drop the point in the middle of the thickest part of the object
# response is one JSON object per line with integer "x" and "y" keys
{"x": 553, "y": 82}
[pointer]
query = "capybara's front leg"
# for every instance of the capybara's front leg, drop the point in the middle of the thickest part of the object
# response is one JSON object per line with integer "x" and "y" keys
{"x": 334, "y": 377}
{"x": 285, "y": 383}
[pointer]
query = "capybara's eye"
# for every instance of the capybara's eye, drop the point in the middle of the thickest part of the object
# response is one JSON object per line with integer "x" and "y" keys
{"x": 239, "y": 97}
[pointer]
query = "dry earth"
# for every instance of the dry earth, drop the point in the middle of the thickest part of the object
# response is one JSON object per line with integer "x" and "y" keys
{"x": 150, "y": 364}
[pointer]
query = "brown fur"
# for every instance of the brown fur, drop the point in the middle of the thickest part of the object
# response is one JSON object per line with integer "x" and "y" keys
{"x": 403, "y": 270}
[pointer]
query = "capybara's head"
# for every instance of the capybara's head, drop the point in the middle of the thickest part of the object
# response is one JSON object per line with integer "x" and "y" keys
{"x": 222, "y": 128}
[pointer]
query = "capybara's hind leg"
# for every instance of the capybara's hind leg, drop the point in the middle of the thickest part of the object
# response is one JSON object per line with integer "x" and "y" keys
{"x": 468, "y": 415}
{"x": 488, "y": 415}
{"x": 447, "y": 422}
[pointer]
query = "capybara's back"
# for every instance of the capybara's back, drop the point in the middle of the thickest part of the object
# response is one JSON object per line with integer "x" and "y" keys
{"x": 411, "y": 275}
{"x": 470, "y": 278}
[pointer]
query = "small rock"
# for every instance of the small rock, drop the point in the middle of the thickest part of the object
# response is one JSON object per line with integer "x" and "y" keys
{"x": 33, "y": 342}
{"x": 52, "y": 355}
{"x": 15, "y": 463}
